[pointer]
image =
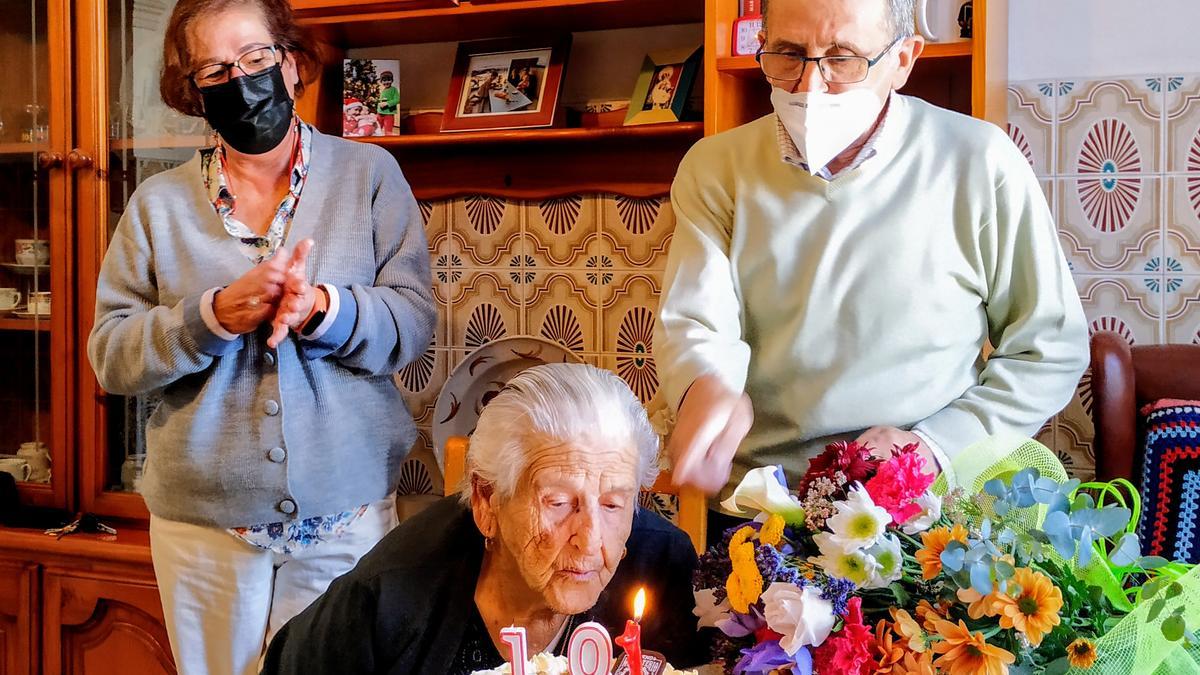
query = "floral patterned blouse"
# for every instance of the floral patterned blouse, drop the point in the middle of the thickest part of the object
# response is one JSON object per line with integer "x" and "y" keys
{"x": 281, "y": 537}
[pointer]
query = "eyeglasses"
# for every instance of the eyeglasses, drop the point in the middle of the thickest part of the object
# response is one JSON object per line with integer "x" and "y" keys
{"x": 250, "y": 63}
{"x": 837, "y": 69}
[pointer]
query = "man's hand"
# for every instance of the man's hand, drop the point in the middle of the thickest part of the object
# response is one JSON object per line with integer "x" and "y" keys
{"x": 299, "y": 299}
{"x": 712, "y": 422}
{"x": 882, "y": 440}
{"x": 243, "y": 305}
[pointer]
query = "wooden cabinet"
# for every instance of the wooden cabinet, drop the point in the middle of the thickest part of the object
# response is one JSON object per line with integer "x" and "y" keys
{"x": 83, "y": 605}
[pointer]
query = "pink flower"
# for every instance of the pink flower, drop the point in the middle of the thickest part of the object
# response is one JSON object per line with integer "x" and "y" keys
{"x": 898, "y": 482}
{"x": 851, "y": 459}
{"x": 848, "y": 652}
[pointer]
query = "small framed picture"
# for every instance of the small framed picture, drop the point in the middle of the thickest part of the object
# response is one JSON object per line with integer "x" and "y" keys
{"x": 506, "y": 84}
{"x": 370, "y": 98}
{"x": 663, "y": 87}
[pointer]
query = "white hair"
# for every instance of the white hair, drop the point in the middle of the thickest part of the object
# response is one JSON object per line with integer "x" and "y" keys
{"x": 901, "y": 16}
{"x": 558, "y": 403}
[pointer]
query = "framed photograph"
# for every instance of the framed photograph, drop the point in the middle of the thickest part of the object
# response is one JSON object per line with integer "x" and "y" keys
{"x": 506, "y": 84}
{"x": 663, "y": 88}
{"x": 370, "y": 98}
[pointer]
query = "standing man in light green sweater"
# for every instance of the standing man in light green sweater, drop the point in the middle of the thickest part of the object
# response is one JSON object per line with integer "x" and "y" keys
{"x": 838, "y": 267}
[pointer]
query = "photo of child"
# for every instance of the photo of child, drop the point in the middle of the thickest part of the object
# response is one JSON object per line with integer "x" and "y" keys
{"x": 504, "y": 83}
{"x": 662, "y": 90}
{"x": 370, "y": 98}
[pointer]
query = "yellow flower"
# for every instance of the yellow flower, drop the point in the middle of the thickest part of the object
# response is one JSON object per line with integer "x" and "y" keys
{"x": 1034, "y": 611}
{"x": 908, "y": 629}
{"x": 745, "y": 583}
{"x": 772, "y": 530}
{"x": 966, "y": 653}
{"x": 1081, "y": 653}
{"x": 930, "y": 556}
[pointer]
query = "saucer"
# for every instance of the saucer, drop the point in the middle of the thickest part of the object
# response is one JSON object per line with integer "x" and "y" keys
{"x": 24, "y": 313}
{"x": 28, "y": 270}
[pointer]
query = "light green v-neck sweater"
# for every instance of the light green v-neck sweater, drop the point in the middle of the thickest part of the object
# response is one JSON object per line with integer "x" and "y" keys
{"x": 866, "y": 300}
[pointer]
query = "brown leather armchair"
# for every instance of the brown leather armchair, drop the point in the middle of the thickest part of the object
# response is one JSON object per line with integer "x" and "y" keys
{"x": 1126, "y": 378}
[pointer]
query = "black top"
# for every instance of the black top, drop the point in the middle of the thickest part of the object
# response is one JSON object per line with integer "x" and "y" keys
{"x": 408, "y": 605}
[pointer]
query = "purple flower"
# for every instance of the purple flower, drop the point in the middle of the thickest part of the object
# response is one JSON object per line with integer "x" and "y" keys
{"x": 740, "y": 625}
{"x": 837, "y": 591}
{"x": 767, "y": 656}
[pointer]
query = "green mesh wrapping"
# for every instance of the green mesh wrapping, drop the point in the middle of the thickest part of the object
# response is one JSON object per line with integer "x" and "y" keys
{"x": 1135, "y": 645}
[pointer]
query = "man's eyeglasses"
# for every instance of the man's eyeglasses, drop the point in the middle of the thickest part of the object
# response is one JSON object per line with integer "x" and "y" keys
{"x": 836, "y": 69}
{"x": 250, "y": 63}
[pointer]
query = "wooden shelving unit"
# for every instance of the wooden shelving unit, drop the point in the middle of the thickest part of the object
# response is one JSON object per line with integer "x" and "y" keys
{"x": 747, "y": 66}
{"x": 20, "y": 148}
{"x": 367, "y": 25}
{"x": 42, "y": 325}
{"x": 577, "y": 136}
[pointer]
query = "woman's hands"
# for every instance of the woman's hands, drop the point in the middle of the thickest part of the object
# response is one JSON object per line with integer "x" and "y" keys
{"x": 276, "y": 290}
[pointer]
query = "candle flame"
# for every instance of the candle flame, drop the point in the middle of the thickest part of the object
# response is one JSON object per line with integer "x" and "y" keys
{"x": 639, "y": 604}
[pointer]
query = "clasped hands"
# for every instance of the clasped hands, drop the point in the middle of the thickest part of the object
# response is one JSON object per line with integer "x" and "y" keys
{"x": 276, "y": 290}
{"x": 714, "y": 420}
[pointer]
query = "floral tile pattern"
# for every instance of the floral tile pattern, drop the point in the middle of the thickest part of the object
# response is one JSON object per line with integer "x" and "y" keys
{"x": 1031, "y": 124}
{"x": 1111, "y": 224}
{"x": 1183, "y": 123}
{"x": 1109, "y": 126}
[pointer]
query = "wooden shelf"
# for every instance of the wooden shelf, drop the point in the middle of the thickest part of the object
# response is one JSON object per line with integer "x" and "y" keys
{"x": 637, "y": 162}
{"x": 685, "y": 130}
{"x": 370, "y": 26}
{"x": 20, "y": 148}
{"x": 747, "y": 67}
{"x": 117, "y": 144}
{"x": 25, "y": 324}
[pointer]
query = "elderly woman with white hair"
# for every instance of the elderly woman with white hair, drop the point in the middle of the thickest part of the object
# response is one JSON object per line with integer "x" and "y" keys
{"x": 546, "y": 535}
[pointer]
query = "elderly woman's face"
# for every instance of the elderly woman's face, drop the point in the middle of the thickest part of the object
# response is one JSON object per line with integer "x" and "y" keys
{"x": 222, "y": 37}
{"x": 568, "y": 521}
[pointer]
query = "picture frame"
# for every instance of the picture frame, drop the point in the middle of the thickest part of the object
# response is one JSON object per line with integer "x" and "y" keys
{"x": 664, "y": 86}
{"x": 370, "y": 97}
{"x": 508, "y": 83}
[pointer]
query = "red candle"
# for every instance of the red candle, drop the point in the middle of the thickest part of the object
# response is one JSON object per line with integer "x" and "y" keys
{"x": 631, "y": 639}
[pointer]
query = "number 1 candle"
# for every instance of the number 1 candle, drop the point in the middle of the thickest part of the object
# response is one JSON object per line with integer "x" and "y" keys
{"x": 514, "y": 637}
{"x": 631, "y": 639}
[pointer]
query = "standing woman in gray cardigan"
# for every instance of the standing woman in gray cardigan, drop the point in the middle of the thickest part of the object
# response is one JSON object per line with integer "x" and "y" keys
{"x": 265, "y": 292}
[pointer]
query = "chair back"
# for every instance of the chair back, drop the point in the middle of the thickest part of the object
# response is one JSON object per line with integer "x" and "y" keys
{"x": 1124, "y": 379}
{"x": 692, "y": 516}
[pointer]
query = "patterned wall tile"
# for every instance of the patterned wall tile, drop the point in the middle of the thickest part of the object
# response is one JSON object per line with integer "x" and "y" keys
{"x": 1050, "y": 190}
{"x": 419, "y": 475}
{"x": 485, "y": 307}
{"x": 628, "y": 307}
{"x": 448, "y": 274}
{"x": 422, "y": 380}
{"x": 1110, "y": 126}
{"x": 636, "y": 232}
{"x": 560, "y": 307}
{"x": 1031, "y": 123}
{"x": 483, "y": 230}
{"x": 1125, "y": 305}
{"x": 638, "y": 371}
{"x": 560, "y": 232}
{"x": 1182, "y": 225}
{"x": 1183, "y": 123}
{"x": 437, "y": 227}
{"x": 1073, "y": 437}
{"x": 1046, "y": 435}
{"x": 1182, "y": 310}
{"x": 1109, "y": 224}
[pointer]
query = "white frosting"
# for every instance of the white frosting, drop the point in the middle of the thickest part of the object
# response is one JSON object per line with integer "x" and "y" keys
{"x": 545, "y": 664}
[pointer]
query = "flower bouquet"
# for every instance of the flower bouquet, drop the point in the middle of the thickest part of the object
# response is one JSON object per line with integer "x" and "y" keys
{"x": 872, "y": 566}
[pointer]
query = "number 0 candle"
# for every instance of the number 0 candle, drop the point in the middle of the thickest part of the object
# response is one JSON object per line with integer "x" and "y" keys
{"x": 590, "y": 651}
{"x": 631, "y": 639}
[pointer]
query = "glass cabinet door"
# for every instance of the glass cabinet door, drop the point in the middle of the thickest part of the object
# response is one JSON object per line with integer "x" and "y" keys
{"x": 34, "y": 253}
{"x": 141, "y": 137}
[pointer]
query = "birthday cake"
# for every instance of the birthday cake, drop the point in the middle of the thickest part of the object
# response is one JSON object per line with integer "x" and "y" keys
{"x": 545, "y": 664}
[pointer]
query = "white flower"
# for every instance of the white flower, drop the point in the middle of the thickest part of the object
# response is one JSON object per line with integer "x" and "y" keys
{"x": 931, "y": 512}
{"x": 764, "y": 490}
{"x": 857, "y": 566}
{"x": 802, "y": 616}
{"x": 858, "y": 522}
{"x": 887, "y": 555}
{"x": 708, "y": 610}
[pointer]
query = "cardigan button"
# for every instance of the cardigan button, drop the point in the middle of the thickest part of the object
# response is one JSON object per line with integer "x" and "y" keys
{"x": 276, "y": 455}
{"x": 287, "y": 506}
{"x": 271, "y": 408}
{"x": 269, "y": 358}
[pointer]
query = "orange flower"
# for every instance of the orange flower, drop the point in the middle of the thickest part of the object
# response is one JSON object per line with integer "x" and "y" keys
{"x": 908, "y": 629}
{"x": 772, "y": 530}
{"x": 979, "y": 606}
{"x": 1081, "y": 653}
{"x": 914, "y": 664}
{"x": 930, "y": 556}
{"x": 887, "y": 652}
{"x": 964, "y": 653}
{"x": 929, "y": 614}
{"x": 1034, "y": 611}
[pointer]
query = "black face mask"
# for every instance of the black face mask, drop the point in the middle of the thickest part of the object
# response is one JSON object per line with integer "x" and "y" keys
{"x": 252, "y": 113}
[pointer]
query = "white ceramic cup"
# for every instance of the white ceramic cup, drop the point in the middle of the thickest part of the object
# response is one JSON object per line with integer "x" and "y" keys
{"x": 32, "y": 251}
{"x": 38, "y": 457}
{"x": 39, "y": 303}
{"x": 9, "y": 298}
{"x": 937, "y": 20}
{"x": 16, "y": 466}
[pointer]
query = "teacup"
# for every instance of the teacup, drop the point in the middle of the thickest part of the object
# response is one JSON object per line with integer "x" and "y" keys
{"x": 39, "y": 303}
{"x": 16, "y": 466}
{"x": 38, "y": 457}
{"x": 32, "y": 251}
{"x": 9, "y": 298}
